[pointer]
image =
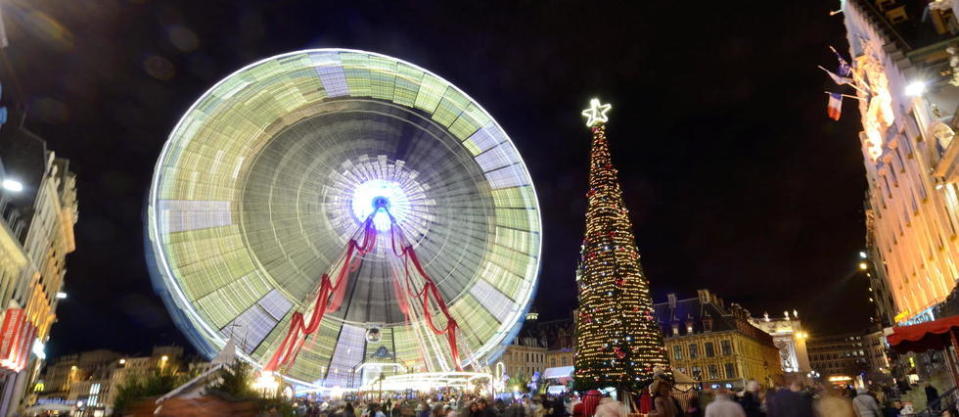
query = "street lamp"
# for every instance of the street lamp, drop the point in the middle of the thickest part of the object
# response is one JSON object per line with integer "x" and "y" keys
{"x": 863, "y": 266}
{"x": 915, "y": 88}
{"x": 266, "y": 383}
{"x": 12, "y": 185}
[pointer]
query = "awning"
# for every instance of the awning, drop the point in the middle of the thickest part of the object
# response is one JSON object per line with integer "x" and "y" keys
{"x": 559, "y": 372}
{"x": 923, "y": 336}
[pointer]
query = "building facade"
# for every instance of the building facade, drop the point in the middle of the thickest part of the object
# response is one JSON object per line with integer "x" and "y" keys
{"x": 539, "y": 346}
{"x": 43, "y": 213}
{"x": 91, "y": 380}
{"x": 789, "y": 337}
{"x": 715, "y": 344}
{"x": 905, "y": 61}
{"x": 841, "y": 355}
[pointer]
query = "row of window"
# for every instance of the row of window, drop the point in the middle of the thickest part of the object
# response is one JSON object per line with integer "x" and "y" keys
{"x": 709, "y": 348}
{"x": 561, "y": 361}
{"x": 713, "y": 372}
{"x": 828, "y": 356}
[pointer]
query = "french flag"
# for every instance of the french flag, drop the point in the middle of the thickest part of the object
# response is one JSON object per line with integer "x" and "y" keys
{"x": 835, "y": 106}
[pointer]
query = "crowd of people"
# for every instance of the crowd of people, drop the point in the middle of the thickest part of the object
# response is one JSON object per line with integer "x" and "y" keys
{"x": 790, "y": 400}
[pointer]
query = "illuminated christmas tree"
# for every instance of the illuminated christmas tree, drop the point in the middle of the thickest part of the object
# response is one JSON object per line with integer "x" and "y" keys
{"x": 619, "y": 341}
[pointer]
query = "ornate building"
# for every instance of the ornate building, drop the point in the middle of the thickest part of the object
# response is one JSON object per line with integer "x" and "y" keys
{"x": 904, "y": 73}
{"x": 93, "y": 379}
{"x": 540, "y": 345}
{"x": 789, "y": 337}
{"x": 45, "y": 212}
{"x": 715, "y": 344}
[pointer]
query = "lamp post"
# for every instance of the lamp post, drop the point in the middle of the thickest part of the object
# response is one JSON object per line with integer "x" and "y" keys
{"x": 12, "y": 185}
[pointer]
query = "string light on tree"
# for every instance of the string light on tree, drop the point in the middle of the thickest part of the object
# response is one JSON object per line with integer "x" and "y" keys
{"x": 619, "y": 342}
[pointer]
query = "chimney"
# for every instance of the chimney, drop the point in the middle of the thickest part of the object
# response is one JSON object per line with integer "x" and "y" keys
{"x": 671, "y": 299}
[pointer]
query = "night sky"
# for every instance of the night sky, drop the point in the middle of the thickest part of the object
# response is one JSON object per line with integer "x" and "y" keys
{"x": 735, "y": 178}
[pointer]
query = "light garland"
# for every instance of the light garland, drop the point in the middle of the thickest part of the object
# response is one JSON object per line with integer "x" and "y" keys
{"x": 619, "y": 341}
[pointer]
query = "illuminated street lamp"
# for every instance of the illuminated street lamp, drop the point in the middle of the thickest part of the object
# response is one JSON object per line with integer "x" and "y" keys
{"x": 863, "y": 266}
{"x": 12, "y": 185}
{"x": 267, "y": 384}
{"x": 916, "y": 88}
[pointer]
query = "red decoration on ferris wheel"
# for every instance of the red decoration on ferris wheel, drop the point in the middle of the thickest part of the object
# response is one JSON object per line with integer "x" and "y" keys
{"x": 330, "y": 296}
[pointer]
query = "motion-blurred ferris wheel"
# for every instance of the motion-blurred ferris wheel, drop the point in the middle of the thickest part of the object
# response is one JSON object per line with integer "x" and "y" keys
{"x": 333, "y": 208}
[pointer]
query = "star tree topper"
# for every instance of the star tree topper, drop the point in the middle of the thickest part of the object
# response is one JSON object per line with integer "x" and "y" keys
{"x": 596, "y": 113}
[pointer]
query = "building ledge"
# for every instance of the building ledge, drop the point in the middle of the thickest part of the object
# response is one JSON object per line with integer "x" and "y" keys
{"x": 947, "y": 168}
{"x": 10, "y": 246}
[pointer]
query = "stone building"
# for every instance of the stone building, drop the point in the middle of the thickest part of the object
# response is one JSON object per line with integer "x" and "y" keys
{"x": 539, "y": 346}
{"x": 91, "y": 380}
{"x": 40, "y": 215}
{"x": 715, "y": 344}
{"x": 841, "y": 355}
{"x": 789, "y": 337}
{"x": 905, "y": 71}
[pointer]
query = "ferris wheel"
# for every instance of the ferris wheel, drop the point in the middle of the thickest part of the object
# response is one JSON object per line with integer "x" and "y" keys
{"x": 334, "y": 208}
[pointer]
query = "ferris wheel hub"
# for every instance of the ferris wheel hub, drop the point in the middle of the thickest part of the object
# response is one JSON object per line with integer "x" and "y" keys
{"x": 380, "y": 198}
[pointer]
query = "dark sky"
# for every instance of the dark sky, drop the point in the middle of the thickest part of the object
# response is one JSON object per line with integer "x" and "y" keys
{"x": 735, "y": 178}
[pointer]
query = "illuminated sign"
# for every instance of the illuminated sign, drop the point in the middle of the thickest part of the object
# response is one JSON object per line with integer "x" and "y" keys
{"x": 16, "y": 339}
{"x": 922, "y": 317}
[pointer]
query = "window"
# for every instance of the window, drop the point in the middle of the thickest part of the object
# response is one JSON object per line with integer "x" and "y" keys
{"x": 713, "y": 371}
{"x": 675, "y": 330}
{"x": 727, "y": 347}
{"x": 678, "y": 352}
{"x": 697, "y": 373}
{"x": 730, "y": 370}
{"x": 710, "y": 351}
{"x": 693, "y": 351}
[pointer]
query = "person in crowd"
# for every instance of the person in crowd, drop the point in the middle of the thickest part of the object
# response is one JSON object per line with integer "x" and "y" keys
{"x": 348, "y": 410}
{"x": 485, "y": 409}
{"x": 499, "y": 408}
{"x": 789, "y": 402}
{"x": 751, "y": 400}
{"x": 949, "y": 412}
{"x": 663, "y": 403}
{"x": 834, "y": 403}
{"x": 724, "y": 406}
{"x": 579, "y": 409}
{"x": 608, "y": 407}
{"x": 892, "y": 409}
{"x": 932, "y": 397}
{"x": 693, "y": 409}
{"x": 865, "y": 404}
{"x": 516, "y": 409}
{"x": 590, "y": 401}
{"x": 377, "y": 411}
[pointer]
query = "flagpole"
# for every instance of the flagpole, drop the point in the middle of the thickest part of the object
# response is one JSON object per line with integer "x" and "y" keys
{"x": 848, "y": 96}
{"x": 849, "y": 83}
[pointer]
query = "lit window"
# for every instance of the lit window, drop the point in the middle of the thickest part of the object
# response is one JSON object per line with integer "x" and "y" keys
{"x": 730, "y": 371}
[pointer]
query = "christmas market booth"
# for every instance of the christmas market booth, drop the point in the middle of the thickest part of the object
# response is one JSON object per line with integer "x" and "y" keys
{"x": 940, "y": 335}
